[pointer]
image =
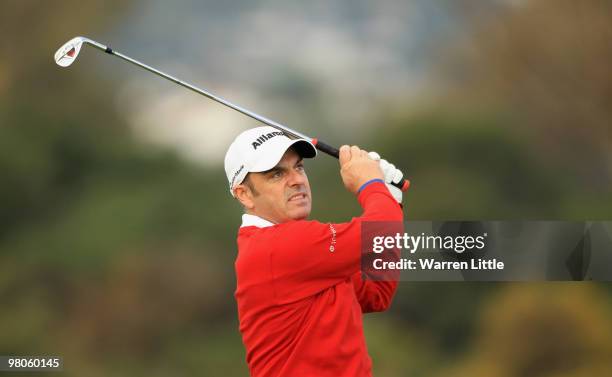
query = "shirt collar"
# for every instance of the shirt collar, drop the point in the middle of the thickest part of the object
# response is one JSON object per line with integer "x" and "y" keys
{"x": 252, "y": 220}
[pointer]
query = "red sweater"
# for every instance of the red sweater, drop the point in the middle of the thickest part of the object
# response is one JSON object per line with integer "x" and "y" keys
{"x": 300, "y": 304}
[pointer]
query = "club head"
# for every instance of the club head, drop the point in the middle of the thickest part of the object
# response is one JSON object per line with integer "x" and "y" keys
{"x": 68, "y": 53}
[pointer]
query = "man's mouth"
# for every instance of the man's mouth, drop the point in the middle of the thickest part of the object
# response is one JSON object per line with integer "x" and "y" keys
{"x": 297, "y": 197}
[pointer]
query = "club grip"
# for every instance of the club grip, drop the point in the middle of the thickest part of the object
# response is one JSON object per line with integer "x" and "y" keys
{"x": 326, "y": 148}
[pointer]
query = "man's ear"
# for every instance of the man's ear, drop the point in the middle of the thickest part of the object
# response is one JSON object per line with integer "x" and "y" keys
{"x": 245, "y": 196}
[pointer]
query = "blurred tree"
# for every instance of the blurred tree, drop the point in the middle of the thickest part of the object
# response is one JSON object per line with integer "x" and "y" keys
{"x": 32, "y": 30}
{"x": 106, "y": 245}
{"x": 547, "y": 62}
{"x": 469, "y": 165}
{"x": 549, "y": 329}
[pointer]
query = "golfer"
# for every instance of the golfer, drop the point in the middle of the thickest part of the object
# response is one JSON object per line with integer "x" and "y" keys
{"x": 299, "y": 289}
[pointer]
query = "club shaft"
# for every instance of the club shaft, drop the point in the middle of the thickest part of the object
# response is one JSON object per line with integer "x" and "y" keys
{"x": 323, "y": 147}
{"x": 203, "y": 92}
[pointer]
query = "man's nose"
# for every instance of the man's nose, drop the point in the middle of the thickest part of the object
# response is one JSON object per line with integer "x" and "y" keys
{"x": 296, "y": 178}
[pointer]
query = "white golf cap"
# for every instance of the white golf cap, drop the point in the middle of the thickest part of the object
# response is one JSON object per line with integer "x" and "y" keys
{"x": 260, "y": 149}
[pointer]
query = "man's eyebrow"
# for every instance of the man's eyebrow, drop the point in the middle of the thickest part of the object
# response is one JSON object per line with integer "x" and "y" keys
{"x": 280, "y": 168}
{"x": 273, "y": 170}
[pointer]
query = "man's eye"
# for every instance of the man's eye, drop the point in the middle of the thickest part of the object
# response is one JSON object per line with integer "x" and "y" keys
{"x": 300, "y": 167}
{"x": 277, "y": 174}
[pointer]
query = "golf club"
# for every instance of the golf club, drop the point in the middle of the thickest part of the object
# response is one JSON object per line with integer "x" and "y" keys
{"x": 67, "y": 54}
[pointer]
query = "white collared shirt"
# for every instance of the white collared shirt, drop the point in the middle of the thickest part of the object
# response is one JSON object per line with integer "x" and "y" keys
{"x": 252, "y": 220}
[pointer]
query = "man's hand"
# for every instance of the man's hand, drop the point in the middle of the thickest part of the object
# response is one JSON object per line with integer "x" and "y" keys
{"x": 356, "y": 168}
{"x": 392, "y": 175}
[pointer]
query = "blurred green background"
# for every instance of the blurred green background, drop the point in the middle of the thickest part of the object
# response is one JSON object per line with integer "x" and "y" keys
{"x": 117, "y": 233}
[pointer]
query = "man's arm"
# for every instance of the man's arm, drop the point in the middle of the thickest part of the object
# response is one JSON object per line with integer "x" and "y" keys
{"x": 307, "y": 256}
{"x": 373, "y": 296}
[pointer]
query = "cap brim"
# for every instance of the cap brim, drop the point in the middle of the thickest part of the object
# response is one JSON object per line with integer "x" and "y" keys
{"x": 303, "y": 147}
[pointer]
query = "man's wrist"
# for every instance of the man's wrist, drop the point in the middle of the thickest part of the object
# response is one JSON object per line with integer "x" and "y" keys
{"x": 368, "y": 183}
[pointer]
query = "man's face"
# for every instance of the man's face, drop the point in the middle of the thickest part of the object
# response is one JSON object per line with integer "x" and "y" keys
{"x": 280, "y": 194}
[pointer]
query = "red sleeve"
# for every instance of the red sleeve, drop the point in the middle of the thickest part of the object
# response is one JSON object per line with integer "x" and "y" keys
{"x": 373, "y": 296}
{"x": 308, "y": 256}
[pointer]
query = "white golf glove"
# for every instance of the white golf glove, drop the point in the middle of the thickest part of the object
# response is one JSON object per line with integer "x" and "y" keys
{"x": 391, "y": 174}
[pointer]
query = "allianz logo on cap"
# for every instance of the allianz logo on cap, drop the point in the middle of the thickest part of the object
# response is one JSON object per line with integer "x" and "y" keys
{"x": 265, "y": 137}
